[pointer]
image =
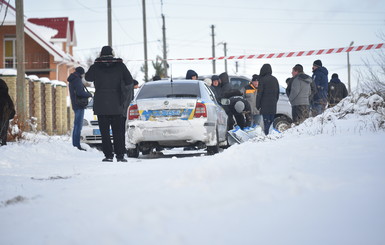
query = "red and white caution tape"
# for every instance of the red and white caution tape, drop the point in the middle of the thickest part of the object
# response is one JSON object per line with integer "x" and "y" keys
{"x": 292, "y": 54}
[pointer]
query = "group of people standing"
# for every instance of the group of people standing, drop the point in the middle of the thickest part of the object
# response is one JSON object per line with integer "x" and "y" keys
{"x": 256, "y": 104}
{"x": 113, "y": 92}
{"x": 310, "y": 96}
{"x": 250, "y": 105}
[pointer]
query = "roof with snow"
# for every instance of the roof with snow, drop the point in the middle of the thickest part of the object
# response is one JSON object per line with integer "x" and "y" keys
{"x": 42, "y": 34}
{"x": 60, "y": 24}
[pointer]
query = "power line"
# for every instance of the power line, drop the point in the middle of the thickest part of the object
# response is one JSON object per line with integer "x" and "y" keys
{"x": 6, "y": 12}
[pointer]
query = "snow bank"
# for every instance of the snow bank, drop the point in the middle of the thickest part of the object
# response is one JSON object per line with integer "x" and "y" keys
{"x": 357, "y": 114}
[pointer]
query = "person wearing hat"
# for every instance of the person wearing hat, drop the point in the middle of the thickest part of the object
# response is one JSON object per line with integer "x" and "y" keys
{"x": 300, "y": 91}
{"x": 112, "y": 81}
{"x": 320, "y": 78}
{"x": 191, "y": 75}
{"x": 76, "y": 90}
{"x": 250, "y": 94}
{"x": 336, "y": 90}
{"x": 216, "y": 87}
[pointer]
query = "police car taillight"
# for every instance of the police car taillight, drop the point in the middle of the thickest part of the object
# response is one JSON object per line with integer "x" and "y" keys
{"x": 200, "y": 110}
{"x": 133, "y": 112}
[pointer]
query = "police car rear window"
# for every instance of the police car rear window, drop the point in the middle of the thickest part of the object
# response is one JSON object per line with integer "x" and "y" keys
{"x": 169, "y": 90}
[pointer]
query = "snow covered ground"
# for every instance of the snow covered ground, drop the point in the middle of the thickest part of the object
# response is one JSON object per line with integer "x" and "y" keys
{"x": 319, "y": 183}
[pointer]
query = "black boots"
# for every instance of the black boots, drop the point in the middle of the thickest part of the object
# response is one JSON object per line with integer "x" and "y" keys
{"x": 119, "y": 159}
{"x": 107, "y": 159}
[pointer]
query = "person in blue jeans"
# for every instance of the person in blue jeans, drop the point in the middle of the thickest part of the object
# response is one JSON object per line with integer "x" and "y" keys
{"x": 320, "y": 78}
{"x": 76, "y": 89}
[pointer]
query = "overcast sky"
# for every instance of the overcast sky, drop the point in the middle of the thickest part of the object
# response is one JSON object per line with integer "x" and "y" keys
{"x": 247, "y": 26}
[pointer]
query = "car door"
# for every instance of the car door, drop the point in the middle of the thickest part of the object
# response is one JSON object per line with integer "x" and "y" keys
{"x": 221, "y": 116}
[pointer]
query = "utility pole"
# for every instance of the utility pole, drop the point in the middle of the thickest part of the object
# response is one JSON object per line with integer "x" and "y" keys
{"x": 145, "y": 41}
{"x": 213, "y": 46}
{"x": 109, "y": 23}
{"x": 20, "y": 80}
{"x": 349, "y": 89}
{"x": 165, "y": 65}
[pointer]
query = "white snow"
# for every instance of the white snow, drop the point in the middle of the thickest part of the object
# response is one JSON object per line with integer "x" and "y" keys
{"x": 45, "y": 32}
{"x": 319, "y": 183}
{"x": 45, "y": 80}
{"x": 8, "y": 72}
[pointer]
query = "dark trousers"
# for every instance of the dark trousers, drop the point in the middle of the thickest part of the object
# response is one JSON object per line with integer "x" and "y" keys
{"x": 300, "y": 113}
{"x": 267, "y": 121}
{"x": 116, "y": 123}
{"x": 3, "y": 132}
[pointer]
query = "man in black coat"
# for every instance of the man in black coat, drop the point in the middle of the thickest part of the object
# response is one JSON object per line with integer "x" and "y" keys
{"x": 111, "y": 79}
{"x": 76, "y": 89}
{"x": 267, "y": 96}
{"x": 7, "y": 112}
{"x": 336, "y": 90}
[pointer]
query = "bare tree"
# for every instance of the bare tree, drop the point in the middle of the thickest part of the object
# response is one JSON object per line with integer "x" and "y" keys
{"x": 372, "y": 78}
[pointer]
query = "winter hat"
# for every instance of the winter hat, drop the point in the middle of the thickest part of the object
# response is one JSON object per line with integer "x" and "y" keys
{"x": 335, "y": 75}
{"x": 79, "y": 70}
{"x": 156, "y": 78}
{"x": 106, "y": 50}
{"x": 317, "y": 63}
{"x": 239, "y": 106}
{"x": 255, "y": 78}
{"x": 214, "y": 77}
{"x": 190, "y": 74}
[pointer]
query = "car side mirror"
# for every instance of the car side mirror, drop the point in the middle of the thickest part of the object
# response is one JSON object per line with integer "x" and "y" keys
{"x": 225, "y": 101}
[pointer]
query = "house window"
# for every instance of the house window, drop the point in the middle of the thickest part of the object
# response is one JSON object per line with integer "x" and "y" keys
{"x": 10, "y": 53}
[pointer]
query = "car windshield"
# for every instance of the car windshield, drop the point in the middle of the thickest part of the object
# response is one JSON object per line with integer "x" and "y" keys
{"x": 169, "y": 90}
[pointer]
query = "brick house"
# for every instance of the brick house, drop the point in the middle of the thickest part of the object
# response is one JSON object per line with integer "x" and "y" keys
{"x": 49, "y": 44}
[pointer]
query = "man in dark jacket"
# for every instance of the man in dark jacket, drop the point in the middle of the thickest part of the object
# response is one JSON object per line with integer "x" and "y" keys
{"x": 7, "y": 112}
{"x": 76, "y": 89}
{"x": 336, "y": 90}
{"x": 112, "y": 79}
{"x": 300, "y": 90}
{"x": 267, "y": 96}
{"x": 320, "y": 78}
{"x": 216, "y": 87}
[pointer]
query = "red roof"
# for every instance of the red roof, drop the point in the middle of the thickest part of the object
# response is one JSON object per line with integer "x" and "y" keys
{"x": 60, "y": 24}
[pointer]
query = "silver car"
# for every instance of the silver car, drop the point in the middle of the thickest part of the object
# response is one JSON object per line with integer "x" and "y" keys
{"x": 179, "y": 113}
